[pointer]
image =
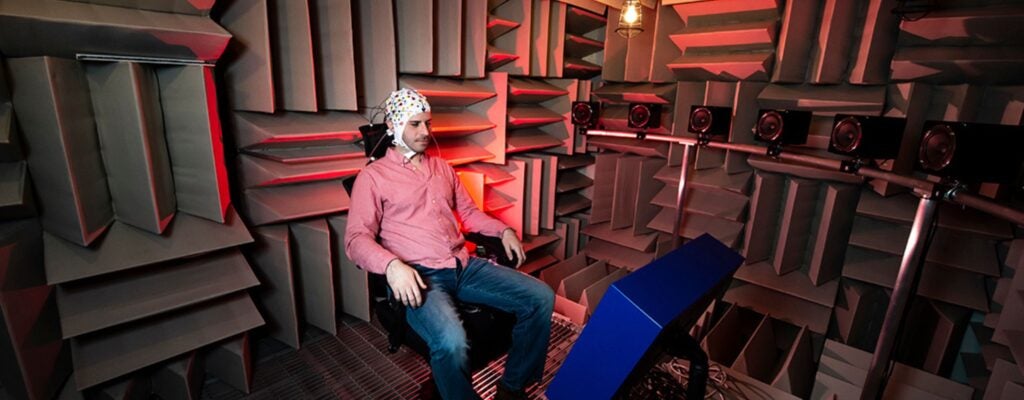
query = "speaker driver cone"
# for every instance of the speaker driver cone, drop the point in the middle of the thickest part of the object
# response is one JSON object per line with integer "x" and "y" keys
{"x": 640, "y": 115}
{"x": 937, "y": 147}
{"x": 769, "y": 126}
{"x": 847, "y": 135}
{"x": 581, "y": 113}
{"x": 700, "y": 120}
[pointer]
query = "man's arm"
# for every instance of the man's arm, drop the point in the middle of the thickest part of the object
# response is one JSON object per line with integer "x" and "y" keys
{"x": 364, "y": 215}
{"x": 475, "y": 220}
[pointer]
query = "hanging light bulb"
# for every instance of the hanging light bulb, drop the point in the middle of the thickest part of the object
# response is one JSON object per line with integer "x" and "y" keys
{"x": 630, "y": 19}
{"x": 630, "y": 15}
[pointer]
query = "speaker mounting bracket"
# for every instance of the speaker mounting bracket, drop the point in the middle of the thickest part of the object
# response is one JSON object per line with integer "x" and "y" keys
{"x": 851, "y": 166}
{"x": 773, "y": 150}
{"x": 703, "y": 139}
{"x": 948, "y": 189}
{"x": 642, "y": 134}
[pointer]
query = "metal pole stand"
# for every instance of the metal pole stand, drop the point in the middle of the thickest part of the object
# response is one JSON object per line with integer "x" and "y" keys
{"x": 684, "y": 175}
{"x": 910, "y": 267}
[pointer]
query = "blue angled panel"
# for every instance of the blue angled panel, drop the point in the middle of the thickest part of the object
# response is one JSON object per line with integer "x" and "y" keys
{"x": 635, "y": 310}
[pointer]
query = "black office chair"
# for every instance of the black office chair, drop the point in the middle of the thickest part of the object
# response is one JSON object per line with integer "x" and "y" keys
{"x": 488, "y": 330}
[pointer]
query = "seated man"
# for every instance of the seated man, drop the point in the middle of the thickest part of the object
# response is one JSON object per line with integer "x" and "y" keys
{"x": 410, "y": 200}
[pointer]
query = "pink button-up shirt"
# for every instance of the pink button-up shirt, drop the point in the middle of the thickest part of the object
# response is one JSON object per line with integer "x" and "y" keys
{"x": 412, "y": 210}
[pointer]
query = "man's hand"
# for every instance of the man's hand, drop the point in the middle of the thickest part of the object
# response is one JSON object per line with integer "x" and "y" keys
{"x": 513, "y": 246}
{"x": 405, "y": 283}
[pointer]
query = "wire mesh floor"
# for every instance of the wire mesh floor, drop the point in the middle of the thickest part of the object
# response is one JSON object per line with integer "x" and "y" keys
{"x": 355, "y": 364}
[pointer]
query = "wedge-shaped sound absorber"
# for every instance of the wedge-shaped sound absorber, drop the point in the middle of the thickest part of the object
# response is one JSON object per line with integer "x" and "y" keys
{"x": 51, "y": 100}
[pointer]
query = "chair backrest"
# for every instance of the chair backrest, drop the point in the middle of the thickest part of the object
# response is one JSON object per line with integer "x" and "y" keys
{"x": 375, "y": 143}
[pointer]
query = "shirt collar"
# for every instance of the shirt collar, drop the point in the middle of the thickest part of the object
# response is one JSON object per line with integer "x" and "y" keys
{"x": 393, "y": 155}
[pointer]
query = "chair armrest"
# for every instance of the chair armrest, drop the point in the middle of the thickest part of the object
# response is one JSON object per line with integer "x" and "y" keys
{"x": 490, "y": 247}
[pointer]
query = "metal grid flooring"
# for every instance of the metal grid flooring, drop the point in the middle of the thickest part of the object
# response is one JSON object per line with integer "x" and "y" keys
{"x": 355, "y": 364}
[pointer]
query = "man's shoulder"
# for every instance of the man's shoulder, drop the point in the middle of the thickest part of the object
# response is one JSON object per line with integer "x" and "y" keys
{"x": 371, "y": 172}
{"x": 375, "y": 168}
{"x": 441, "y": 164}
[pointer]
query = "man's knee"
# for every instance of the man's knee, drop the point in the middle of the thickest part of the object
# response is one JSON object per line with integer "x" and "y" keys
{"x": 450, "y": 343}
{"x": 542, "y": 298}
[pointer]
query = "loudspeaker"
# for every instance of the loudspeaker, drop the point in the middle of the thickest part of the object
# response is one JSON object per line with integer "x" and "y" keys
{"x": 644, "y": 116}
{"x": 782, "y": 127}
{"x": 867, "y": 137}
{"x": 375, "y": 141}
{"x": 969, "y": 152}
{"x": 586, "y": 113}
{"x": 710, "y": 120}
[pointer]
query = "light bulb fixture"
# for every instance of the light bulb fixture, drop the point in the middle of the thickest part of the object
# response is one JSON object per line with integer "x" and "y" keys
{"x": 630, "y": 19}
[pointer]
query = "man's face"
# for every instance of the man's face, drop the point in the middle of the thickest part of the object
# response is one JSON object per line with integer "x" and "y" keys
{"x": 417, "y": 132}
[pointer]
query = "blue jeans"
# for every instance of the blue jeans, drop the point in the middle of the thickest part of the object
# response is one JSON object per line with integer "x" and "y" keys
{"x": 482, "y": 282}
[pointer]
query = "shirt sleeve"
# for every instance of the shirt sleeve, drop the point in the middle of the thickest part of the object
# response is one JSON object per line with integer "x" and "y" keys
{"x": 473, "y": 220}
{"x": 364, "y": 215}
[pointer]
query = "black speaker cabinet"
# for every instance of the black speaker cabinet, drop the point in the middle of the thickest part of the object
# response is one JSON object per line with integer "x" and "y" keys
{"x": 782, "y": 127}
{"x": 586, "y": 113}
{"x": 710, "y": 120}
{"x": 644, "y": 116}
{"x": 970, "y": 152}
{"x": 867, "y": 137}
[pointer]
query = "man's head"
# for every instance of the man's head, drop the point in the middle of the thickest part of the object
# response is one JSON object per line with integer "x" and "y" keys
{"x": 408, "y": 120}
